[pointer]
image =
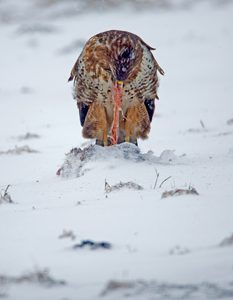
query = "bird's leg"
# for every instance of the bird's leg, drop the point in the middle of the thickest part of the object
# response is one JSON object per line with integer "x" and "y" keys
{"x": 117, "y": 92}
{"x": 137, "y": 123}
{"x": 129, "y": 124}
{"x": 105, "y": 136}
{"x": 95, "y": 125}
{"x": 102, "y": 124}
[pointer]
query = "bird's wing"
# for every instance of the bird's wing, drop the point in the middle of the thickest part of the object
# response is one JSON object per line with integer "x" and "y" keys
{"x": 150, "y": 107}
{"x": 83, "y": 110}
{"x": 161, "y": 71}
{"x": 82, "y": 105}
{"x": 74, "y": 71}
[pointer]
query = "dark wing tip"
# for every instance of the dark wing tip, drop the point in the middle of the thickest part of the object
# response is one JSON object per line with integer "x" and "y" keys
{"x": 71, "y": 77}
{"x": 83, "y": 110}
{"x": 148, "y": 46}
{"x": 161, "y": 71}
{"x": 150, "y": 107}
{"x": 151, "y": 48}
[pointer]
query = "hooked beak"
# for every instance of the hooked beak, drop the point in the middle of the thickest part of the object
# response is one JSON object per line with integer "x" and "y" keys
{"x": 119, "y": 84}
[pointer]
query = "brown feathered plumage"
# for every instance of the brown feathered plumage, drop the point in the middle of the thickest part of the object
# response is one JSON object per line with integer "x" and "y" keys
{"x": 116, "y": 65}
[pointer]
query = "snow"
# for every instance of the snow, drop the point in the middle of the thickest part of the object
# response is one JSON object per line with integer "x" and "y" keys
{"x": 161, "y": 247}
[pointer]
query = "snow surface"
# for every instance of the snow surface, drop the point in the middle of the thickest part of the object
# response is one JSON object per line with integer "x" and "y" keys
{"x": 161, "y": 248}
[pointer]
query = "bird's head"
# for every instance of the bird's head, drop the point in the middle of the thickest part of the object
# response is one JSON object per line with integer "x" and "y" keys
{"x": 118, "y": 53}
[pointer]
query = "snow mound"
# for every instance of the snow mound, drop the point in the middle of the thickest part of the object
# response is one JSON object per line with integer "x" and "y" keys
{"x": 77, "y": 158}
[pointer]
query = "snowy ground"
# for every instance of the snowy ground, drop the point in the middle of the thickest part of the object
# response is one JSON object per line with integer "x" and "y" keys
{"x": 162, "y": 248}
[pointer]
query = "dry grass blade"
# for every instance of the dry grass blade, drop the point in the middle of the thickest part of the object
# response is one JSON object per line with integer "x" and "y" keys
{"x": 156, "y": 178}
{"x": 202, "y": 124}
{"x": 5, "y": 197}
{"x": 164, "y": 181}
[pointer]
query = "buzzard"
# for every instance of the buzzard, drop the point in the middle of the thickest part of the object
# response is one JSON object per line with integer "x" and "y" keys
{"x": 115, "y": 86}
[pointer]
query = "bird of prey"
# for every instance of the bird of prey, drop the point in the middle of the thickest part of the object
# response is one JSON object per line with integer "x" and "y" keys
{"x": 115, "y": 86}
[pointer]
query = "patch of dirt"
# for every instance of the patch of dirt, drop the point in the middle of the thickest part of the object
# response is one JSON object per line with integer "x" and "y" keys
{"x": 36, "y": 28}
{"x": 67, "y": 234}
{"x": 28, "y": 136}
{"x": 121, "y": 185}
{"x": 92, "y": 245}
{"x": 40, "y": 277}
{"x": 224, "y": 133}
{"x": 228, "y": 241}
{"x": 179, "y": 192}
{"x": 19, "y": 150}
{"x": 178, "y": 250}
{"x": 141, "y": 289}
{"x": 230, "y": 122}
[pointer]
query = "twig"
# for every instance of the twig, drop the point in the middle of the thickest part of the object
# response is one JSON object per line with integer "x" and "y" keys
{"x": 156, "y": 179}
{"x": 164, "y": 181}
{"x": 107, "y": 187}
{"x": 5, "y": 197}
{"x": 6, "y": 189}
{"x": 202, "y": 124}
